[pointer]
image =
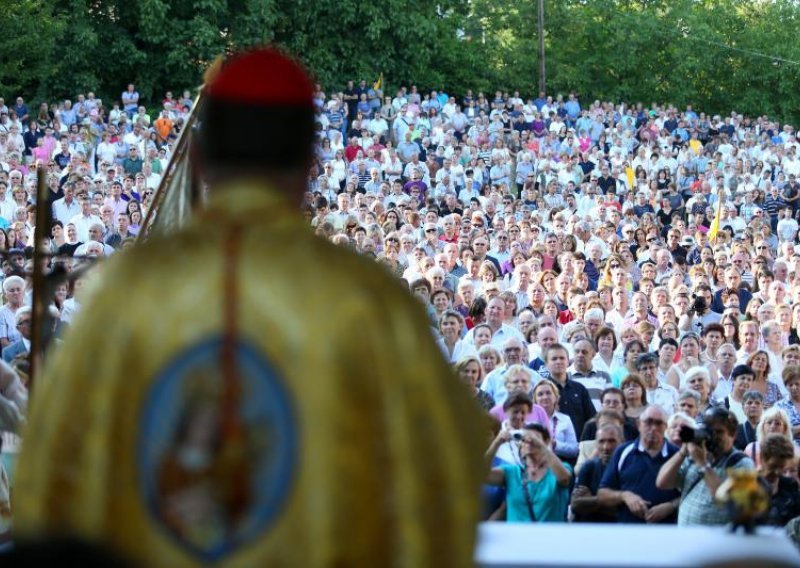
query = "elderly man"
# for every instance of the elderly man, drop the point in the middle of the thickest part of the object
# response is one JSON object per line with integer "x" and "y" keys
{"x": 514, "y": 353}
{"x": 500, "y": 331}
{"x": 581, "y": 370}
{"x": 14, "y": 290}
{"x": 726, "y": 361}
{"x": 545, "y": 337}
{"x": 629, "y": 481}
{"x": 700, "y": 476}
{"x": 23, "y": 344}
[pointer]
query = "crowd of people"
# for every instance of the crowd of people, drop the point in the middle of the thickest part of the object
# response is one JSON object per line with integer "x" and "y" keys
{"x": 607, "y": 279}
{"x": 103, "y": 164}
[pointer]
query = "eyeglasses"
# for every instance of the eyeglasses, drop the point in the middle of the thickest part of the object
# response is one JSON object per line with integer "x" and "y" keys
{"x": 614, "y": 266}
{"x": 654, "y": 422}
{"x": 351, "y": 226}
{"x": 24, "y": 322}
{"x": 430, "y": 230}
{"x": 652, "y": 240}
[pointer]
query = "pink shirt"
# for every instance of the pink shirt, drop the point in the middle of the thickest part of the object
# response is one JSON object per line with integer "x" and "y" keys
{"x": 537, "y": 415}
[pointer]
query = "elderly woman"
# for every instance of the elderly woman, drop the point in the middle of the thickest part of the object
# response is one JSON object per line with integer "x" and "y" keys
{"x": 518, "y": 378}
{"x": 674, "y": 425}
{"x": 565, "y": 442}
{"x": 698, "y": 379}
{"x": 470, "y": 371}
{"x": 537, "y": 489}
{"x": 773, "y": 421}
{"x": 490, "y": 358}
{"x": 635, "y": 391}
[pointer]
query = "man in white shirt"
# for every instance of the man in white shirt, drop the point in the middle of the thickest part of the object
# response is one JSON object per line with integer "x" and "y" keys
{"x": 67, "y": 207}
{"x": 84, "y": 220}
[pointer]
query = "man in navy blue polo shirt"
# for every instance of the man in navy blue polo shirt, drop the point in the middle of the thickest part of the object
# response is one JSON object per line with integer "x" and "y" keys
{"x": 629, "y": 482}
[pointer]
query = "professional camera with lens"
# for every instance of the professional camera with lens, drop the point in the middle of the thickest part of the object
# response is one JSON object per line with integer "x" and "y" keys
{"x": 699, "y": 306}
{"x": 700, "y": 435}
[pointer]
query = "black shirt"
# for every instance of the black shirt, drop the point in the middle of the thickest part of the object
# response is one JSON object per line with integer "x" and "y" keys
{"x": 590, "y": 475}
{"x": 576, "y": 403}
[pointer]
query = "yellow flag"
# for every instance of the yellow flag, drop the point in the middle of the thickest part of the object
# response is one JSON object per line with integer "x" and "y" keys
{"x": 379, "y": 83}
{"x": 630, "y": 175}
{"x": 712, "y": 232}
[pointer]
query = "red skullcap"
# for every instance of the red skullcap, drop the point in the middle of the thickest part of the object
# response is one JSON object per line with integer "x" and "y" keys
{"x": 263, "y": 77}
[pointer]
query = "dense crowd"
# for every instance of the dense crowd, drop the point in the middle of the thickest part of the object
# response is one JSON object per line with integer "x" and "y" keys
{"x": 103, "y": 163}
{"x": 611, "y": 281}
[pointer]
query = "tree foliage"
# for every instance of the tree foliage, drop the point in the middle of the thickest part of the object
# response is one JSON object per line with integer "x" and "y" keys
{"x": 719, "y": 55}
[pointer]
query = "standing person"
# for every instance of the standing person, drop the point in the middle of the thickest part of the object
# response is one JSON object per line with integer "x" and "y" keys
{"x": 700, "y": 476}
{"x": 130, "y": 100}
{"x": 574, "y": 399}
{"x": 243, "y": 463}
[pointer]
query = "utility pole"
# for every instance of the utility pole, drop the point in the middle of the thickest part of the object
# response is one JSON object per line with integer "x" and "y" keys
{"x": 541, "y": 48}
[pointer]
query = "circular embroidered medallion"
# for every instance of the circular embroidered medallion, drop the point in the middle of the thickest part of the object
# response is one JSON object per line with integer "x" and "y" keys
{"x": 217, "y": 449}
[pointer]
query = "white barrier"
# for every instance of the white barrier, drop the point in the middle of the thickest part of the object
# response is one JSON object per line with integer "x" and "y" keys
{"x": 509, "y": 545}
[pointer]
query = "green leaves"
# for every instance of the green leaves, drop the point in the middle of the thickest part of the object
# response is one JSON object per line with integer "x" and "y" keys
{"x": 714, "y": 54}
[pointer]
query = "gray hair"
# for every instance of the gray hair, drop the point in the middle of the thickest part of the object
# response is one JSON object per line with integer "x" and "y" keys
{"x": 594, "y": 313}
{"x": 768, "y": 326}
{"x": 688, "y": 420}
{"x": 11, "y": 280}
{"x": 689, "y": 393}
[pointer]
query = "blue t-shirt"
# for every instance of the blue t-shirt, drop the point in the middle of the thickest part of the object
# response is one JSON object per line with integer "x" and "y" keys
{"x": 549, "y": 499}
{"x": 632, "y": 469}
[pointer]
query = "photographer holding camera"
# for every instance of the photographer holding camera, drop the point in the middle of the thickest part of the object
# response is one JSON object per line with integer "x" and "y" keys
{"x": 710, "y": 453}
{"x": 699, "y": 314}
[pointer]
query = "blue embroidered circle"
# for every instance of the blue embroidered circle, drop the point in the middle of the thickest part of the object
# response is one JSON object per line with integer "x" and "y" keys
{"x": 217, "y": 455}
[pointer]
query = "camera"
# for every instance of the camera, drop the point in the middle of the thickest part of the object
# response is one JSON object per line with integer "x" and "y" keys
{"x": 699, "y": 305}
{"x": 517, "y": 435}
{"x": 700, "y": 435}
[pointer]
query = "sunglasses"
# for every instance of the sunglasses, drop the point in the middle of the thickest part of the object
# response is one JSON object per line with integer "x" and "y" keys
{"x": 652, "y": 240}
